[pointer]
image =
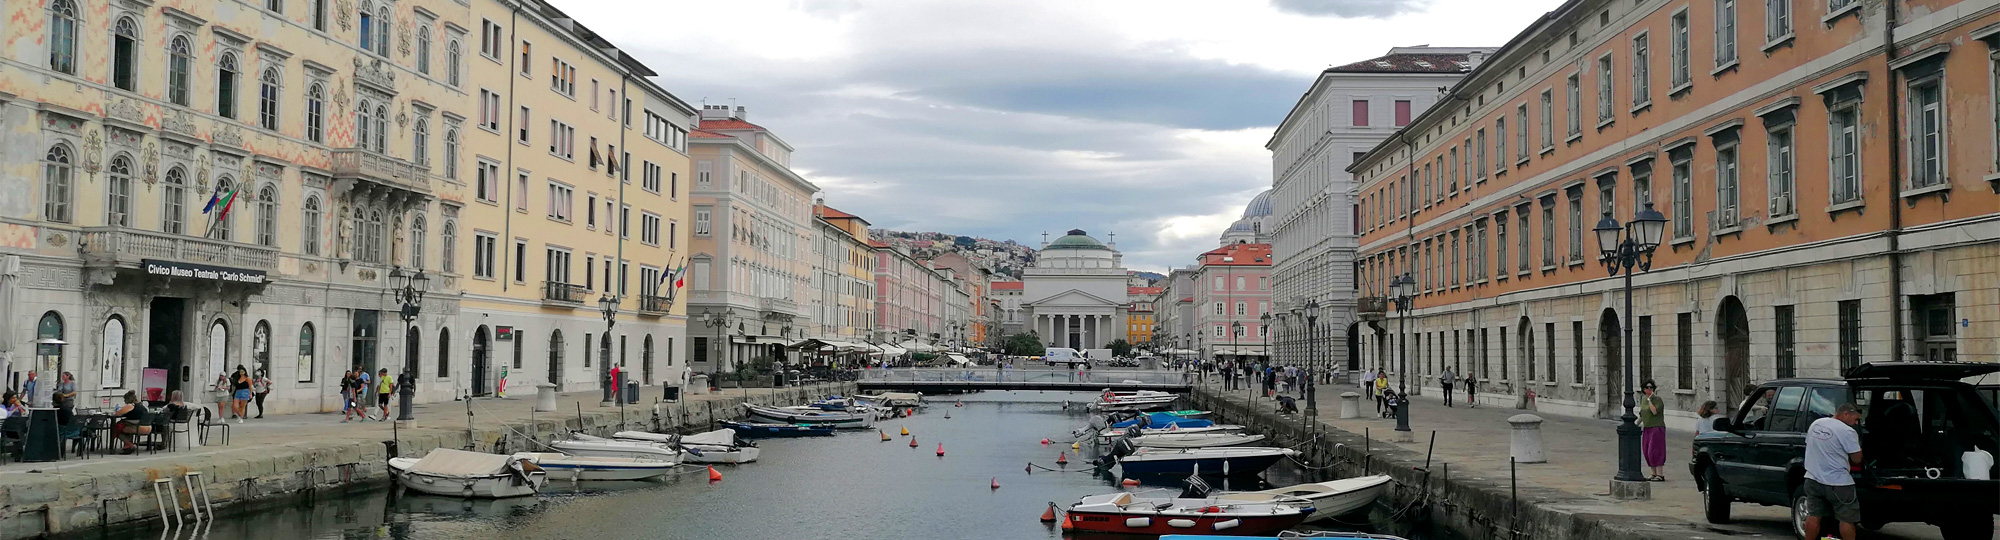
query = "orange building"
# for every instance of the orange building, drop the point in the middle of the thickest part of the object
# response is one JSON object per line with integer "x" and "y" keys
{"x": 1830, "y": 195}
{"x": 1139, "y": 318}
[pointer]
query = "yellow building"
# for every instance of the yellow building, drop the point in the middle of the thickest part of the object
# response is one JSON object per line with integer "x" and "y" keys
{"x": 846, "y": 282}
{"x": 576, "y": 200}
{"x": 1139, "y": 321}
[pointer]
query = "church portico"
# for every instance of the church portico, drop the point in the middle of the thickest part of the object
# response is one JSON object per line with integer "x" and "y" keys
{"x": 1075, "y": 293}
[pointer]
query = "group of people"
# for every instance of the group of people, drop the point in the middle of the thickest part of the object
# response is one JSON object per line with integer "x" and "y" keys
{"x": 244, "y": 389}
{"x": 15, "y": 401}
{"x": 357, "y": 386}
{"x": 1274, "y": 380}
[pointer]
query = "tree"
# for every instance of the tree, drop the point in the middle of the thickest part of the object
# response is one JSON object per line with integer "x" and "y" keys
{"x": 1025, "y": 344}
{"x": 1120, "y": 347}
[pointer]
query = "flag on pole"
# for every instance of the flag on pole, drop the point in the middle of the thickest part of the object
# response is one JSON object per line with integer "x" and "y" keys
{"x": 227, "y": 202}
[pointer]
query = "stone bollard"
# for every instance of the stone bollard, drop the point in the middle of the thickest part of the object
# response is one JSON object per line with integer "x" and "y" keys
{"x": 1350, "y": 405}
{"x": 545, "y": 397}
{"x": 1526, "y": 446}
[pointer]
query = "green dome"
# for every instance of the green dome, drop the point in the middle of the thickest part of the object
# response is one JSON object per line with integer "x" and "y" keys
{"x": 1076, "y": 239}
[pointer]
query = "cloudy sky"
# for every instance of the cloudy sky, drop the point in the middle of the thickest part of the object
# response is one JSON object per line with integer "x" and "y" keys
{"x": 1009, "y": 118}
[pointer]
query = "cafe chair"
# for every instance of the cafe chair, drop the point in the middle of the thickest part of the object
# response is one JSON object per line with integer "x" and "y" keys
{"x": 209, "y": 422}
{"x": 13, "y": 437}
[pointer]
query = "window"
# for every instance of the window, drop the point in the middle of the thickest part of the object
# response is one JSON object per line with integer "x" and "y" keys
{"x": 1576, "y": 225}
{"x": 448, "y": 250}
{"x": 521, "y": 127}
{"x": 225, "y": 86}
{"x": 702, "y": 217}
{"x": 1576, "y": 350}
{"x": 57, "y": 176}
{"x": 1645, "y": 348}
{"x": 367, "y": 33}
{"x": 1242, "y": 309}
{"x": 317, "y": 15}
{"x": 125, "y": 54}
{"x": 1402, "y": 112}
{"x": 1480, "y": 151}
{"x": 1575, "y": 105}
{"x": 1642, "y": 185}
{"x": 420, "y": 142}
{"x": 1679, "y": 26}
{"x": 1787, "y": 341}
{"x": 1607, "y": 193}
{"x": 1725, "y": 32}
{"x": 1360, "y": 113}
{"x": 1452, "y": 158}
{"x": 267, "y": 216}
{"x": 173, "y": 204}
{"x": 1478, "y": 247}
{"x": 1549, "y": 343}
{"x": 1218, "y": 308}
{"x": 649, "y": 229}
{"x": 62, "y": 36}
{"x": 489, "y": 110}
{"x": 1726, "y": 188}
{"x": 520, "y": 261}
{"x": 1684, "y": 350}
{"x": 490, "y": 40}
{"x": 376, "y": 235}
{"x": 1778, "y": 19}
{"x": 1845, "y": 169}
{"x": 418, "y": 230}
{"x": 521, "y": 187}
{"x": 562, "y": 77}
{"x": 1499, "y": 244}
{"x": 1642, "y": 70}
{"x": 590, "y": 212}
{"x": 1683, "y": 163}
{"x": 1850, "y": 334}
{"x": 1521, "y": 237}
{"x": 1926, "y": 127}
{"x": 451, "y": 154}
{"x": 624, "y": 220}
{"x": 309, "y": 225}
{"x": 486, "y": 181}
{"x": 180, "y": 59}
{"x": 1521, "y": 139}
{"x": 1548, "y": 119}
{"x": 1606, "y": 86}
{"x": 1778, "y": 174}
{"x": 424, "y": 49}
{"x": 562, "y": 138}
{"x": 527, "y": 58}
{"x": 560, "y": 201}
{"x": 316, "y": 112}
{"x": 1548, "y": 233}
{"x": 118, "y": 203}
{"x": 267, "y": 100}
{"x": 1500, "y": 144}
{"x": 557, "y": 269}
{"x": 482, "y": 255}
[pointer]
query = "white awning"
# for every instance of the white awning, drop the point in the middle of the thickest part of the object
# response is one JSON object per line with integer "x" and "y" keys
{"x": 892, "y": 350}
{"x": 956, "y": 359}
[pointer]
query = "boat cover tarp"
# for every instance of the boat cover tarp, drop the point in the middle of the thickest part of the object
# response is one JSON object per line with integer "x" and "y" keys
{"x": 1163, "y": 421}
{"x": 449, "y": 462}
{"x": 720, "y": 437}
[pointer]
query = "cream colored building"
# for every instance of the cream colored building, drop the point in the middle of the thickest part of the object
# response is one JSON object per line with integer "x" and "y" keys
{"x": 844, "y": 306}
{"x": 750, "y": 255}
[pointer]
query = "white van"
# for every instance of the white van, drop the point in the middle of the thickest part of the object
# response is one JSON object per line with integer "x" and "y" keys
{"x": 1066, "y": 357}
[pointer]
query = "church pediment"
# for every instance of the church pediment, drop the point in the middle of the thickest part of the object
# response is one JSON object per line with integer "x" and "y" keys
{"x": 1073, "y": 297}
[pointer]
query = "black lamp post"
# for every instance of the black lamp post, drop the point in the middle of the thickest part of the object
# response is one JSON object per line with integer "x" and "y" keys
{"x": 1312, "y": 357}
{"x": 609, "y": 305}
{"x": 410, "y": 293}
{"x": 1634, "y": 251}
{"x": 1401, "y": 290}
{"x": 1264, "y": 333}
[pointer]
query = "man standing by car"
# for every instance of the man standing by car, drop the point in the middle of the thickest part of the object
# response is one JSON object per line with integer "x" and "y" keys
{"x": 1832, "y": 446}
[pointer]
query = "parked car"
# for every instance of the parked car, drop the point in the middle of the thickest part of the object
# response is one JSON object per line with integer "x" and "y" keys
{"x": 1917, "y": 418}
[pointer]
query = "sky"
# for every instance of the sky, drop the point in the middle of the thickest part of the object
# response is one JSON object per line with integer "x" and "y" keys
{"x": 1006, "y": 119}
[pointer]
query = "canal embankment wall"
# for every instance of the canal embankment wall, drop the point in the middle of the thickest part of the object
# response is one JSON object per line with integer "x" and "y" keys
{"x": 78, "y": 496}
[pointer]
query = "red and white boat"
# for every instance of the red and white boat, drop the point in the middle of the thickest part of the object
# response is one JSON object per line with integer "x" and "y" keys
{"x": 1124, "y": 513}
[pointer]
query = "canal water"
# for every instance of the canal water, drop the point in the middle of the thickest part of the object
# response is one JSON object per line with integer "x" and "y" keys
{"x": 852, "y": 485}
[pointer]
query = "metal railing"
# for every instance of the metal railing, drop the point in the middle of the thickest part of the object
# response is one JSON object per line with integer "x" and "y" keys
{"x": 565, "y": 293}
{"x": 1053, "y": 377}
{"x": 655, "y": 304}
{"x": 1371, "y": 308}
{"x": 120, "y": 245}
{"x": 356, "y": 162}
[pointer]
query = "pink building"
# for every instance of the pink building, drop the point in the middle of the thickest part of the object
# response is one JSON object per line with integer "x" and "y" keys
{"x": 1232, "y": 290}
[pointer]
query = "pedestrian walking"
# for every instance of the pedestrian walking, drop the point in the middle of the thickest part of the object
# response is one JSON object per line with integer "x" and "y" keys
{"x": 384, "y": 387}
{"x": 1832, "y": 447}
{"x": 1472, "y": 390}
{"x": 1446, "y": 380}
{"x": 239, "y": 390}
{"x": 1381, "y": 392}
{"x": 1706, "y": 417}
{"x": 28, "y": 390}
{"x": 347, "y": 384}
{"x": 1368, "y": 382}
{"x": 260, "y": 386}
{"x": 1653, "y": 431}
{"x": 64, "y": 398}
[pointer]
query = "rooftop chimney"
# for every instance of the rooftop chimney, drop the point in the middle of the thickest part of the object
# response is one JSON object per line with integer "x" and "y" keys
{"x": 1475, "y": 58}
{"x": 742, "y": 114}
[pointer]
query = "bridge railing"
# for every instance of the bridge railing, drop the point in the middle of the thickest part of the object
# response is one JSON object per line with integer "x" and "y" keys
{"x": 1106, "y": 377}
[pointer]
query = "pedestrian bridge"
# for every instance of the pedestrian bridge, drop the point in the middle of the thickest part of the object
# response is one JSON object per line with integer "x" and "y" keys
{"x": 934, "y": 380}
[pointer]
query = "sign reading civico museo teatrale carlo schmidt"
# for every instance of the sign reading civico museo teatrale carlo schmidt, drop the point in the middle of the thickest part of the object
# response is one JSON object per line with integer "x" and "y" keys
{"x": 201, "y": 271}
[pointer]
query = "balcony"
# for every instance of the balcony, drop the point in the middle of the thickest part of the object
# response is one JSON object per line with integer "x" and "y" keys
{"x": 559, "y": 294}
{"x": 356, "y": 163}
{"x": 1371, "y": 308}
{"x": 779, "y": 305}
{"x": 124, "y": 247}
{"x": 655, "y": 305}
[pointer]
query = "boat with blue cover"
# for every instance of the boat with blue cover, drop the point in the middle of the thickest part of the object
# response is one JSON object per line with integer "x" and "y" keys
{"x": 754, "y": 430}
{"x": 1163, "y": 421}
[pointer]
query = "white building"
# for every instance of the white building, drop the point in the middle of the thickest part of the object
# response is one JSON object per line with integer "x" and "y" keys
{"x": 1074, "y": 295}
{"x": 1347, "y": 110}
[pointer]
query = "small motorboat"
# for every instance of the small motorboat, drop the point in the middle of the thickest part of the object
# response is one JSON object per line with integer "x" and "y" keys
{"x": 471, "y": 475}
{"x": 1196, "y": 440}
{"x": 839, "y": 420}
{"x": 754, "y": 430}
{"x": 1226, "y": 461}
{"x": 1127, "y": 432}
{"x": 895, "y": 399}
{"x": 1126, "y": 513}
{"x": 1162, "y": 421}
{"x": 1329, "y": 499}
{"x": 719, "y": 446}
{"x": 588, "y": 445}
{"x": 1136, "y": 400}
{"x": 595, "y": 468}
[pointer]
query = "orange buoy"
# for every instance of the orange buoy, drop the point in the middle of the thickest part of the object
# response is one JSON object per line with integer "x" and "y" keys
{"x": 1045, "y": 442}
{"x": 714, "y": 475}
{"x": 959, "y": 404}
{"x": 1030, "y": 469}
{"x": 1062, "y": 458}
{"x": 940, "y": 449}
{"x": 996, "y": 482}
{"x": 1066, "y": 525}
{"x": 1049, "y": 514}
{"x": 913, "y": 442}
{"x": 1130, "y": 482}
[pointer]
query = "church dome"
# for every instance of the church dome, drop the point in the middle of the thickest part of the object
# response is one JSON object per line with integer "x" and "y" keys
{"x": 1260, "y": 206}
{"x": 1077, "y": 239}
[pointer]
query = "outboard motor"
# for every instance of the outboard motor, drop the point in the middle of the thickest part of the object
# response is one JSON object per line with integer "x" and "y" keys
{"x": 1123, "y": 447}
{"x": 1196, "y": 489}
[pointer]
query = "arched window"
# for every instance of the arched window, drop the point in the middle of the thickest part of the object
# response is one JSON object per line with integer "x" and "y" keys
{"x": 173, "y": 203}
{"x": 260, "y": 349}
{"x": 267, "y": 99}
{"x": 555, "y": 357}
{"x": 417, "y": 232}
{"x": 267, "y": 216}
{"x": 56, "y": 175}
{"x": 316, "y": 112}
{"x": 367, "y": 27}
{"x": 444, "y": 353}
{"x": 223, "y": 185}
{"x": 125, "y": 54}
{"x": 449, "y": 250}
{"x": 451, "y": 154}
{"x": 49, "y": 342}
{"x": 382, "y": 129}
{"x": 362, "y": 131}
{"x": 218, "y": 348}
{"x": 118, "y": 195}
{"x": 453, "y": 53}
{"x": 111, "y": 356}
{"x": 225, "y": 85}
{"x": 180, "y": 60}
{"x": 373, "y": 251}
{"x": 424, "y": 49}
{"x": 62, "y": 36}
{"x": 420, "y": 143}
{"x": 382, "y": 23}
{"x": 308, "y": 347}
{"x": 310, "y": 225}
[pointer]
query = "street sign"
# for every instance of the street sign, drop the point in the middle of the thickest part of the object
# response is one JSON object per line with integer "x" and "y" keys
{"x": 503, "y": 333}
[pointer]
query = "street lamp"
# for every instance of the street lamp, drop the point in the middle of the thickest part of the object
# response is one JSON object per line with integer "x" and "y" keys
{"x": 410, "y": 293}
{"x": 1634, "y": 251}
{"x": 1402, "y": 290}
{"x": 1264, "y": 332}
{"x": 1312, "y": 357}
{"x": 609, "y": 305}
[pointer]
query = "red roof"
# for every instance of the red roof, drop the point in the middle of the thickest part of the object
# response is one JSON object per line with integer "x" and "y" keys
{"x": 729, "y": 124}
{"x": 1008, "y": 285}
{"x": 700, "y": 134}
{"x": 1238, "y": 255}
{"x": 1142, "y": 290}
{"x": 828, "y": 211}
{"x": 877, "y": 243}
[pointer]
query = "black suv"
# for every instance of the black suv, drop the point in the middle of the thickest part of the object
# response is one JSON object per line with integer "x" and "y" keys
{"x": 1917, "y": 418}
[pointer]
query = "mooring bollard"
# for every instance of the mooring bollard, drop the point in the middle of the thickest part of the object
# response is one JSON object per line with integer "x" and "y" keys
{"x": 545, "y": 397}
{"x": 1526, "y": 446}
{"x": 1350, "y": 405}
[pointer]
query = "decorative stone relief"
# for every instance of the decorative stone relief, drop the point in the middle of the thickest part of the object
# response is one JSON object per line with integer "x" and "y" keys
{"x": 201, "y": 175}
{"x": 365, "y": 274}
{"x": 340, "y": 99}
{"x": 58, "y": 239}
{"x": 403, "y": 115}
{"x": 344, "y": 13}
{"x": 178, "y": 123}
{"x": 374, "y": 72}
{"x": 248, "y": 173}
{"x": 93, "y": 153}
{"x": 230, "y": 136}
{"x": 179, "y": 151}
{"x": 62, "y": 124}
{"x": 128, "y": 111}
{"x": 151, "y": 155}
{"x": 124, "y": 138}
{"x": 269, "y": 171}
{"x": 403, "y": 33}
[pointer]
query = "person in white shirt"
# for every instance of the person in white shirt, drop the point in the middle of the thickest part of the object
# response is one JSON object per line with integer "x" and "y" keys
{"x": 1368, "y": 382}
{"x": 1832, "y": 446}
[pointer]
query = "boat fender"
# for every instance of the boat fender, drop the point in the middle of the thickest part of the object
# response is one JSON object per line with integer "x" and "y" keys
{"x": 1180, "y": 523}
{"x": 1227, "y": 525}
{"x": 1129, "y": 482}
{"x": 1139, "y": 522}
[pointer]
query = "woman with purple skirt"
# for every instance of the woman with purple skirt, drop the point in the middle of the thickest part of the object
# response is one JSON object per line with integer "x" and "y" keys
{"x": 1653, "y": 431}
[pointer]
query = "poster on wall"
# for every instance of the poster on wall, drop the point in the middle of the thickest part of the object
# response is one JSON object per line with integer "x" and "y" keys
{"x": 153, "y": 384}
{"x": 218, "y": 351}
{"x": 111, "y": 366}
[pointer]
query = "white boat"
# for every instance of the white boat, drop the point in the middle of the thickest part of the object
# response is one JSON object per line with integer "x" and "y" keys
{"x": 1128, "y": 513}
{"x": 1196, "y": 440}
{"x": 586, "y": 445}
{"x": 1227, "y": 461}
{"x": 472, "y": 475}
{"x": 719, "y": 446}
{"x": 1125, "y": 432}
{"x": 568, "y": 467}
{"x": 1133, "y": 400}
{"x": 1329, "y": 499}
{"x": 839, "y": 420}
{"x": 895, "y": 399}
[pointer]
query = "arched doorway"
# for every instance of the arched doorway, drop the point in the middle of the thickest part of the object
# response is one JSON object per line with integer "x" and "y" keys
{"x": 481, "y": 345}
{"x": 1525, "y": 339}
{"x": 1354, "y": 347}
{"x": 1611, "y": 347}
{"x": 1733, "y": 325}
{"x": 555, "y": 358}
